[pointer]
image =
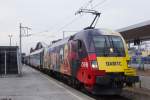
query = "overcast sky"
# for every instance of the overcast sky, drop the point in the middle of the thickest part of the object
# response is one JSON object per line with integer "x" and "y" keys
{"x": 48, "y": 18}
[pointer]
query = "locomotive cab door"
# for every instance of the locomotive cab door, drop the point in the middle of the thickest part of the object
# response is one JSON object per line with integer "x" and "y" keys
{"x": 74, "y": 57}
{"x": 77, "y": 52}
{"x": 81, "y": 49}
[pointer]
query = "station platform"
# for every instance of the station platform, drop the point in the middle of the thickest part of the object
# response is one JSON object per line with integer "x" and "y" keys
{"x": 145, "y": 78}
{"x": 142, "y": 88}
{"x": 33, "y": 85}
{"x": 144, "y": 73}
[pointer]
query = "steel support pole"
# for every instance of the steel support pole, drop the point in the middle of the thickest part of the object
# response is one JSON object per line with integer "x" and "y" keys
{"x": 20, "y": 37}
{"x": 5, "y": 63}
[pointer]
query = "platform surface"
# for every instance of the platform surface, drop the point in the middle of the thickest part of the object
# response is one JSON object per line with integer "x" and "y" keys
{"x": 33, "y": 85}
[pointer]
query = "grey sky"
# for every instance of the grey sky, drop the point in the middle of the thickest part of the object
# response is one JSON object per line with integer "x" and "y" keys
{"x": 52, "y": 15}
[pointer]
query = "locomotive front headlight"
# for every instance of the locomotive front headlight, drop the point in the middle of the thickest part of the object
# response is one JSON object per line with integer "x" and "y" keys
{"x": 94, "y": 64}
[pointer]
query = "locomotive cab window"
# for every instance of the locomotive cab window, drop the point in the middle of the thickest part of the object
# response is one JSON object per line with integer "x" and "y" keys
{"x": 109, "y": 46}
{"x": 61, "y": 55}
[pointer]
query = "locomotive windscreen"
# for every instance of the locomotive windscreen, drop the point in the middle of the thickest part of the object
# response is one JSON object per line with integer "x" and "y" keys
{"x": 109, "y": 46}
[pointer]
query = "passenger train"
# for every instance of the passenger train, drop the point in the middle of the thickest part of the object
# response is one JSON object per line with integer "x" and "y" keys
{"x": 96, "y": 59}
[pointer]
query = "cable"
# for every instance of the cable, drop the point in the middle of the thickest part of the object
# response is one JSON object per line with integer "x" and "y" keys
{"x": 86, "y": 5}
{"x": 73, "y": 20}
{"x": 100, "y": 3}
{"x": 92, "y": 7}
{"x": 89, "y": 2}
{"x": 57, "y": 30}
{"x": 42, "y": 33}
{"x": 69, "y": 23}
{"x": 39, "y": 32}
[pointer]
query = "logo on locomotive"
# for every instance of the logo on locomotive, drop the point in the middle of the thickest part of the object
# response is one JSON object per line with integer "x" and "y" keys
{"x": 113, "y": 63}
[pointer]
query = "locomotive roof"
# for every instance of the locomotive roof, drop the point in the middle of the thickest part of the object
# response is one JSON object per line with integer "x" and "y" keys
{"x": 99, "y": 31}
{"x": 84, "y": 33}
{"x": 80, "y": 34}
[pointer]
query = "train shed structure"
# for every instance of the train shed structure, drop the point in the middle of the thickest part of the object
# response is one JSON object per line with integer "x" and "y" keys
{"x": 137, "y": 32}
{"x": 9, "y": 60}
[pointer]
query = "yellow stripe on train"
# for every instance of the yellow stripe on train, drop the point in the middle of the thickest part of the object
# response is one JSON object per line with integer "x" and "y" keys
{"x": 112, "y": 64}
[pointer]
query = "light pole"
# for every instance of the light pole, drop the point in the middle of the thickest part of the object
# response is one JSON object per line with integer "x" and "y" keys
{"x": 21, "y": 35}
{"x": 10, "y": 36}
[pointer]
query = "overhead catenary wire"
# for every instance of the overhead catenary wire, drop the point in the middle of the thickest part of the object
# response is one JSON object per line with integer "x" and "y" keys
{"x": 98, "y": 4}
{"x": 90, "y": 3}
{"x": 57, "y": 30}
{"x": 73, "y": 20}
{"x": 48, "y": 30}
{"x": 42, "y": 33}
{"x": 53, "y": 35}
{"x": 87, "y": 4}
{"x": 70, "y": 22}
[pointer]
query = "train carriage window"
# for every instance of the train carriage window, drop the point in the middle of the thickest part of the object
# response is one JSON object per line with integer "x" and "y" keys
{"x": 61, "y": 54}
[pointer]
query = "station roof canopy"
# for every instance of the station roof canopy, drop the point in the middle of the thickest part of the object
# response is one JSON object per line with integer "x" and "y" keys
{"x": 138, "y": 31}
{"x": 8, "y": 48}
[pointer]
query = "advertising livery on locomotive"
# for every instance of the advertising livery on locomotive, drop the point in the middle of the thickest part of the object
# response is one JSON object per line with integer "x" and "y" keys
{"x": 96, "y": 59}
